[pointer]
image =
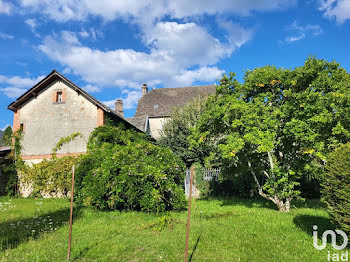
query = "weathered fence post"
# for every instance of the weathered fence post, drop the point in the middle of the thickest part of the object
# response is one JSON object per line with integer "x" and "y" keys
{"x": 71, "y": 215}
{"x": 188, "y": 215}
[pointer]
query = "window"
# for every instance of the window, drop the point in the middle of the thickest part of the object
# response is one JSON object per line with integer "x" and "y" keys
{"x": 59, "y": 97}
{"x": 21, "y": 127}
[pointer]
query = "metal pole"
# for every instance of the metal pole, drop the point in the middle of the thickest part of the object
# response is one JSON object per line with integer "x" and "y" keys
{"x": 195, "y": 189}
{"x": 71, "y": 215}
{"x": 188, "y": 216}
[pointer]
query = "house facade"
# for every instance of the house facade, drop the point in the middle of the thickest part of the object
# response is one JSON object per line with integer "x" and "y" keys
{"x": 56, "y": 108}
{"x": 154, "y": 107}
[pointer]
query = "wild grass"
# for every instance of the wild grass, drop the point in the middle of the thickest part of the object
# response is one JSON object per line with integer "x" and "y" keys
{"x": 221, "y": 230}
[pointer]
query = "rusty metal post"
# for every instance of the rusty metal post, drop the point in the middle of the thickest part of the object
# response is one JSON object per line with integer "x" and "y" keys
{"x": 188, "y": 215}
{"x": 71, "y": 214}
{"x": 195, "y": 189}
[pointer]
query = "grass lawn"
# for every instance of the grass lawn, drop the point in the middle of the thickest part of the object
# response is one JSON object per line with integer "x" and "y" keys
{"x": 221, "y": 230}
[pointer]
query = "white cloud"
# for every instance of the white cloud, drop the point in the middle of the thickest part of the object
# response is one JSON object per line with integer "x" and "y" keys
{"x": 109, "y": 103}
{"x": 91, "y": 88}
{"x": 129, "y": 102}
{"x": 189, "y": 43}
{"x": 236, "y": 34}
{"x": 174, "y": 49}
{"x": 32, "y": 23}
{"x": 6, "y": 36}
{"x": 16, "y": 86}
{"x": 84, "y": 34}
{"x": 144, "y": 12}
{"x": 5, "y": 7}
{"x": 206, "y": 74}
{"x": 131, "y": 99}
{"x": 338, "y": 9}
{"x": 300, "y": 32}
{"x": 12, "y": 92}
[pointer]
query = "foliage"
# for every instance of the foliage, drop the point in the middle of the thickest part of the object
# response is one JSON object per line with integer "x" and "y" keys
{"x": 279, "y": 123}
{"x": 8, "y": 176}
{"x": 7, "y": 136}
{"x": 336, "y": 187}
{"x": 123, "y": 170}
{"x": 51, "y": 176}
{"x": 9, "y": 165}
{"x": 63, "y": 141}
{"x": 176, "y": 130}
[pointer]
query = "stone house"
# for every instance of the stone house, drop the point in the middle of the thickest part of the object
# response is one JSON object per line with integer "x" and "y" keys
{"x": 55, "y": 108}
{"x": 155, "y": 107}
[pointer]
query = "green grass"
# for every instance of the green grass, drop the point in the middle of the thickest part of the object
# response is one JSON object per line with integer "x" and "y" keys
{"x": 221, "y": 230}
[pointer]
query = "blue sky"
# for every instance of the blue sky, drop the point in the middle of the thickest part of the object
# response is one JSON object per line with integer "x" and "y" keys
{"x": 111, "y": 47}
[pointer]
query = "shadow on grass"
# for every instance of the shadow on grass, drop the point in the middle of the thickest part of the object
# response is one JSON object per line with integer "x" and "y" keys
{"x": 257, "y": 202}
{"x": 15, "y": 232}
{"x": 247, "y": 202}
{"x": 306, "y": 222}
{"x": 195, "y": 247}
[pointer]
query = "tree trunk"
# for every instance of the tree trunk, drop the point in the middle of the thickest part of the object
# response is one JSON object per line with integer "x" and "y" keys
{"x": 283, "y": 207}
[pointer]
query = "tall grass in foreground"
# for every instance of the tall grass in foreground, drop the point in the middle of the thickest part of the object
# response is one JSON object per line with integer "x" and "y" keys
{"x": 221, "y": 230}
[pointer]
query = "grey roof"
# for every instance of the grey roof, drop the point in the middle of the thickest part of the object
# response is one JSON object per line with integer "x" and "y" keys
{"x": 53, "y": 76}
{"x": 160, "y": 102}
{"x": 139, "y": 122}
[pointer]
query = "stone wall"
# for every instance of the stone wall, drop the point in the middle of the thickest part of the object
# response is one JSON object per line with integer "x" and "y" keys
{"x": 46, "y": 121}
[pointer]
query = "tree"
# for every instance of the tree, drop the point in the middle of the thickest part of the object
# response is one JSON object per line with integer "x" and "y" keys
{"x": 7, "y": 136}
{"x": 336, "y": 187}
{"x": 177, "y": 129}
{"x": 280, "y": 123}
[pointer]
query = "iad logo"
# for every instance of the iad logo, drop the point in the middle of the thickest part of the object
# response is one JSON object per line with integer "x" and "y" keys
{"x": 332, "y": 234}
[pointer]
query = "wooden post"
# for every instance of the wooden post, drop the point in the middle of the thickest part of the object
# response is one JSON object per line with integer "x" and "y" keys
{"x": 188, "y": 215}
{"x": 71, "y": 215}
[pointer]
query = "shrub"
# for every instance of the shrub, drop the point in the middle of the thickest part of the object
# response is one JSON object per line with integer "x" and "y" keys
{"x": 336, "y": 187}
{"x": 50, "y": 177}
{"x": 8, "y": 176}
{"x": 123, "y": 170}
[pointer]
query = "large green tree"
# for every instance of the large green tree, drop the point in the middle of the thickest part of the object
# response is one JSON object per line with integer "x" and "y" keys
{"x": 7, "y": 136}
{"x": 280, "y": 124}
{"x": 177, "y": 129}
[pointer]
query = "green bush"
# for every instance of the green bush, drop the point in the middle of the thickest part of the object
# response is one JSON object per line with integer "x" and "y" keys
{"x": 8, "y": 176}
{"x": 50, "y": 177}
{"x": 336, "y": 187}
{"x": 123, "y": 170}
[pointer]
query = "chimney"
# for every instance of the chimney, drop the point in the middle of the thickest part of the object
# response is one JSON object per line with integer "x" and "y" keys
{"x": 119, "y": 107}
{"x": 144, "y": 89}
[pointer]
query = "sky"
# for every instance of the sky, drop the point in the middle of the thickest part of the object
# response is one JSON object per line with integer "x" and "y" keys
{"x": 111, "y": 47}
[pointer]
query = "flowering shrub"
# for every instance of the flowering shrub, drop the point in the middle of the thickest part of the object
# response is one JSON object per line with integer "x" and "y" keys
{"x": 124, "y": 170}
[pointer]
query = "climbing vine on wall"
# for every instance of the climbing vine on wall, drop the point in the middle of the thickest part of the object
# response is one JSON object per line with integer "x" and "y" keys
{"x": 51, "y": 176}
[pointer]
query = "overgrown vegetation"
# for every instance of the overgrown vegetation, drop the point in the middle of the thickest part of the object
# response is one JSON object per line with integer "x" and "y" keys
{"x": 7, "y": 137}
{"x": 51, "y": 176}
{"x": 280, "y": 125}
{"x": 336, "y": 187}
{"x": 8, "y": 176}
{"x": 10, "y": 163}
{"x": 124, "y": 170}
{"x": 177, "y": 129}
